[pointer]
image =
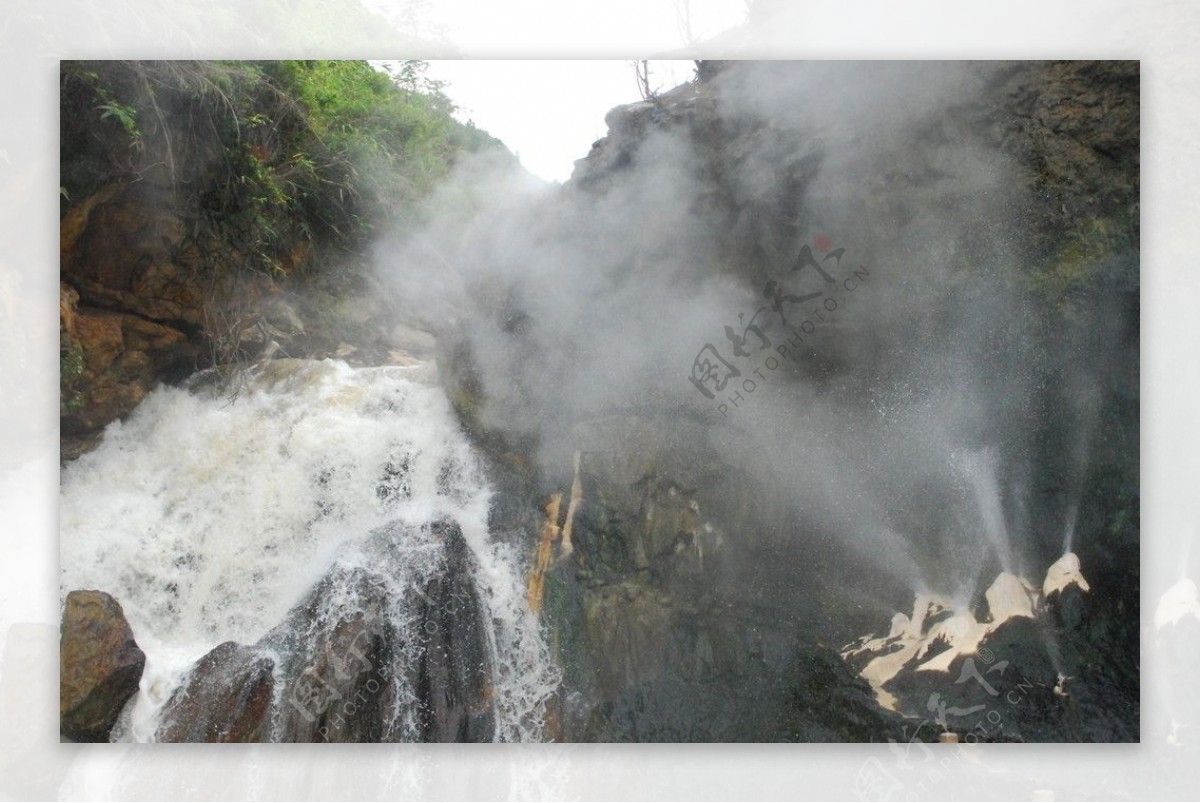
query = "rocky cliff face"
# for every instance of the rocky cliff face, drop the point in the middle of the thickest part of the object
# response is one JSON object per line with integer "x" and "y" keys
{"x": 147, "y": 296}
{"x": 699, "y": 581}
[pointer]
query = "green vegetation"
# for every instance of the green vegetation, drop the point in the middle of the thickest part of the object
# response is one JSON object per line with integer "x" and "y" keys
{"x": 275, "y": 157}
{"x": 1097, "y": 255}
{"x": 70, "y": 369}
{"x": 257, "y": 177}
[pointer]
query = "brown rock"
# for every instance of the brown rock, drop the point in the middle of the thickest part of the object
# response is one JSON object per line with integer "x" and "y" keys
{"x": 68, "y": 299}
{"x": 128, "y": 233}
{"x": 143, "y": 335}
{"x": 99, "y": 335}
{"x": 75, "y": 221}
{"x": 127, "y": 248}
{"x": 101, "y": 666}
{"x": 124, "y": 356}
{"x": 106, "y": 400}
{"x": 226, "y": 698}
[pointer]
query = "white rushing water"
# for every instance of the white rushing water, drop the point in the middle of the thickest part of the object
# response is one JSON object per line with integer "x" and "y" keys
{"x": 208, "y": 520}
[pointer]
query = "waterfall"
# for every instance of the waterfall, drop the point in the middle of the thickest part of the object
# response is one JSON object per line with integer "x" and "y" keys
{"x": 319, "y": 497}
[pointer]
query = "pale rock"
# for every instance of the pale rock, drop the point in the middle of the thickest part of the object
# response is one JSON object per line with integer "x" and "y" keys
{"x": 1010, "y": 596}
{"x": 961, "y": 631}
{"x": 1062, "y": 573}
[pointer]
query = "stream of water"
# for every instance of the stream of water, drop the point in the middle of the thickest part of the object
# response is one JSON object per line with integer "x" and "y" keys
{"x": 209, "y": 519}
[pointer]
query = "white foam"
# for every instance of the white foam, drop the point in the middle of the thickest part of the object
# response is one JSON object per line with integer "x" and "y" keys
{"x": 208, "y": 520}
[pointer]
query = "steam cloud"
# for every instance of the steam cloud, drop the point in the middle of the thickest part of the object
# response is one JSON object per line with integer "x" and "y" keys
{"x": 594, "y": 300}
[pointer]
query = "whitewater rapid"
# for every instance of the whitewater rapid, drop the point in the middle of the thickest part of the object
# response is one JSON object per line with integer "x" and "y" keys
{"x": 210, "y": 517}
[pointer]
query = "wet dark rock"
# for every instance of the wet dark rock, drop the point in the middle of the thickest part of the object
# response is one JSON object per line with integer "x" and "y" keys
{"x": 454, "y": 682}
{"x": 226, "y": 698}
{"x": 1096, "y": 642}
{"x": 1068, "y": 608}
{"x": 828, "y": 702}
{"x": 629, "y": 633}
{"x": 342, "y": 658}
{"x": 336, "y": 658}
{"x": 100, "y": 666}
{"x": 666, "y": 509}
{"x": 1028, "y": 681}
{"x": 673, "y": 709}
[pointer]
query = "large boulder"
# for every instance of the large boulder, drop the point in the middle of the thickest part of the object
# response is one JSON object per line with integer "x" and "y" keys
{"x": 350, "y": 667}
{"x": 100, "y": 663}
{"x": 336, "y": 662}
{"x": 354, "y": 662}
{"x": 454, "y": 682}
{"x": 226, "y": 698}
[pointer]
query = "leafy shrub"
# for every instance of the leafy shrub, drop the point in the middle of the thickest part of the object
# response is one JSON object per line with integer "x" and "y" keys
{"x": 269, "y": 154}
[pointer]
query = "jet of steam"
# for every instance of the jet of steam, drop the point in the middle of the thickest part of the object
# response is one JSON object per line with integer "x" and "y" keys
{"x": 980, "y": 468}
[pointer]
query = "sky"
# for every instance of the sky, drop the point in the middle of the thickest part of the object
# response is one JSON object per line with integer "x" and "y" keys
{"x": 547, "y": 112}
{"x": 555, "y": 29}
{"x": 550, "y": 112}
